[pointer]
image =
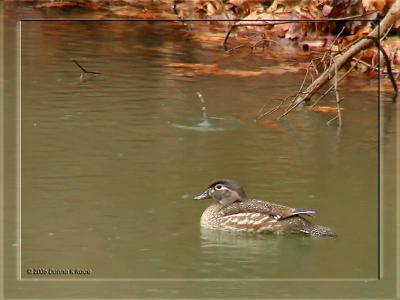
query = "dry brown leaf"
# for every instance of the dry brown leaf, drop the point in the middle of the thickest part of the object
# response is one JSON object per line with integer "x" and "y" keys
{"x": 56, "y": 4}
{"x": 137, "y": 13}
{"x": 187, "y": 69}
{"x": 239, "y": 73}
{"x": 374, "y": 4}
{"x": 362, "y": 31}
{"x": 325, "y": 109}
{"x": 326, "y": 10}
{"x": 92, "y": 5}
{"x": 208, "y": 38}
{"x": 210, "y": 68}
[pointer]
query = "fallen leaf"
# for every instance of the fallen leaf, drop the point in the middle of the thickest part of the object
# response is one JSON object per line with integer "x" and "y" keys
{"x": 239, "y": 73}
{"x": 56, "y": 4}
{"x": 267, "y": 124}
{"x": 208, "y": 38}
{"x": 326, "y": 10}
{"x": 136, "y": 13}
{"x": 92, "y": 5}
{"x": 325, "y": 109}
{"x": 210, "y": 68}
{"x": 374, "y": 4}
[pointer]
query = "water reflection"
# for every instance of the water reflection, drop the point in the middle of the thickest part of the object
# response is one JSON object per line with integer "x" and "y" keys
{"x": 250, "y": 243}
{"x": 243, "y": 252}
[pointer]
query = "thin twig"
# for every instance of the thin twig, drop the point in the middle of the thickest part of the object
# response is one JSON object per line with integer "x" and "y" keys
{"x": 260, "y": 110}
{"x": 224, "y": 11}
{"x": 237, "y": 47}
{"x": 339, "y": 114}
{"x": 331, "y": 87}
{"x": 265, "y": 40}
{"x": 277, "y": 22}
{"x": 342, "y": 59}
{"x": 83, "y": 69}
{"x": 331, "y": 120}
{"x": 329, "y": 51}
{"x": 314, "y": 66}
{"x": 272, "y": 110}
{"x": 304, "y": 79}
{"x": 387, "y": 62}
{"x": 261, "y": 115}
{"x": 386, "y": 33}
{"x": 228, "y": 33}
{"x": 359, "y": 61}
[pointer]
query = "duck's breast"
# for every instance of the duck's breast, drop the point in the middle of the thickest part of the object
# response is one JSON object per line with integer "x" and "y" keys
{"x": 211, "y": 217}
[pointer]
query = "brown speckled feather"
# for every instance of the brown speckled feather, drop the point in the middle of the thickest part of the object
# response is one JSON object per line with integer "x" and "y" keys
{"x": 234, "y": 211}
{"x": 257, "y": 206}
{"x": 251, "y": 222}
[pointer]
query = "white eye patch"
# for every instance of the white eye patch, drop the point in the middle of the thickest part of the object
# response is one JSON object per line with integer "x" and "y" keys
{"x": 220, "y": 187}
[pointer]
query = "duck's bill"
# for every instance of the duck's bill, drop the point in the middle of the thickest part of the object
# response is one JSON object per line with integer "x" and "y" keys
{"x": 204, "y": 195}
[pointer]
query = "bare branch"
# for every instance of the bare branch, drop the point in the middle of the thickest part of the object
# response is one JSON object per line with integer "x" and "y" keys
{"x": 83, "y": 69}
{"x": 342, "y": 58}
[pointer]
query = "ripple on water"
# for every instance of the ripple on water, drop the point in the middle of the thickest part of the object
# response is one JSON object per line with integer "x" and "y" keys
{"x": 206, "y": 125}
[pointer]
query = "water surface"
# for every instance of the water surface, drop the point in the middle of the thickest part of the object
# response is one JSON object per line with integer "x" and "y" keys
{"x": 108, "y": 176}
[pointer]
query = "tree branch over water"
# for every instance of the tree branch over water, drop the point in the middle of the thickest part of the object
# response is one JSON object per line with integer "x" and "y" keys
{"x": 341, "y": 59}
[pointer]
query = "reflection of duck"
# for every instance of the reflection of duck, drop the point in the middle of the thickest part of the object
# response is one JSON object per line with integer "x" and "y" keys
{"x": 234, "y": 211}
{"x": 237, "y": 240}
{"x": 241, "y": 244}
{"x": 244, "y": 247}
{"x": 248, "y": 255}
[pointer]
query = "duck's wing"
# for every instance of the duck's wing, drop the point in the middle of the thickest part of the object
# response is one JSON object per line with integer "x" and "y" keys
{"x": 248, "y": 221}
{"x": 266, "y": 208}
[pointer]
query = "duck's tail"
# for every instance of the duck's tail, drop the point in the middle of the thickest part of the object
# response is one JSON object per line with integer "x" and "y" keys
{"x": 318, "y": 230}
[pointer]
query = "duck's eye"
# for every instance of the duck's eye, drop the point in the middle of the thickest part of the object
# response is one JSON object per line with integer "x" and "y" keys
{"x": 218, "y": 187}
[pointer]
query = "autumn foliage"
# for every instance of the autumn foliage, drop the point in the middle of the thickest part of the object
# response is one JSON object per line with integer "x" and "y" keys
{"x": 258, "y": 24}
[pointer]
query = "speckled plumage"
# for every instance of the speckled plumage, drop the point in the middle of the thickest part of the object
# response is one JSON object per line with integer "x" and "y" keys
{"x": 251, "y": 215}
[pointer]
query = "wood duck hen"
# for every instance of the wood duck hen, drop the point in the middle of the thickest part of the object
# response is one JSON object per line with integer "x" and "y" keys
{"x": 234, "y": 211}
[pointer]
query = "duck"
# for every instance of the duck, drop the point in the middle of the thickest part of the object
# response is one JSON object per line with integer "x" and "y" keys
{"x": 233, "y": 211}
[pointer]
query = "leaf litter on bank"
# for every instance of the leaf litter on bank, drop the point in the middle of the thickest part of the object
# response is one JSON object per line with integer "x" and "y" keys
{"x": 183, "y": 69}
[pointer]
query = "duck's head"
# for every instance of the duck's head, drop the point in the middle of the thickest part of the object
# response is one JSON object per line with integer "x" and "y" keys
{"x": 225, "y": 191}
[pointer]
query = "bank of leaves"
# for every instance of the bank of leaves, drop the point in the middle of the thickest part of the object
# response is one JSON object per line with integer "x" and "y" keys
{"x": 259, "y": 24}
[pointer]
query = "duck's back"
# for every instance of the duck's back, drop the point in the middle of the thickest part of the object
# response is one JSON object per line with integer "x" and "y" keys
{"x": 260, "y": 216}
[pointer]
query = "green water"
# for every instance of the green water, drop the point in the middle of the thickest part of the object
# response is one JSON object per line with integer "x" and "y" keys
{"x": 110, "y": 165}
